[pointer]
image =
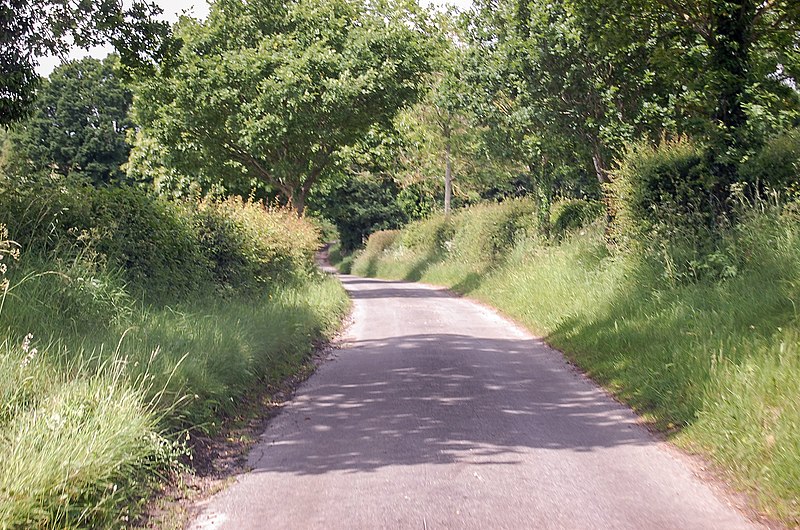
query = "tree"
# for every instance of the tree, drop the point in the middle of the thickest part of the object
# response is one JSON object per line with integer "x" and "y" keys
{"x": 441, "y": 139}
{"x": 276, "y": 90}
{"x": 79, "y": 123}
{"x": 31, "y": 29}
{"x": 543, "y": 74}
{"x": 728, "y": 59}
{"x": 360, "y": 204}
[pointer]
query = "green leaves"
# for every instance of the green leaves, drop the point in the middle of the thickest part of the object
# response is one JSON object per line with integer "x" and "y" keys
{"x": 279, "y": 101}
{"x": 79, "y": 124}
{"x": 29, "y": 30}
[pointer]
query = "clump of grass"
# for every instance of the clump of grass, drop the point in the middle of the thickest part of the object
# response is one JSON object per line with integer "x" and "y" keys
{"x": 709, "y": 356}
{"x": 81, "y": 454}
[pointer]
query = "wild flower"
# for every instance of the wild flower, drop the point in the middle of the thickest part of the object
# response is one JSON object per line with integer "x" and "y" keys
{"x": 29, "y": 352}
{"x": 7, "y": 248}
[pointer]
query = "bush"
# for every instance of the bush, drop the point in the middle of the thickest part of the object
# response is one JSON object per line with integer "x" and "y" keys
{"x": 568, "y": 215}
{"x": 668, "y": 185}
{"x": 380, "y": 241}
{"x": 163, "y": 250}
{"x": 428, "y": 235}
{"x": 777, "y": 165}
{"x": 275, "y": 243}
{"x": 143, "y": 236}
{"x": 485, "y": 232}
{"x": 147, "y": 238}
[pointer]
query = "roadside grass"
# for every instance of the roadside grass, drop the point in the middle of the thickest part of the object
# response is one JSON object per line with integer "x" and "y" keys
{"x": 109, "y": 368}
{"x": 712, "y": 359}
{"x": 90, "y": 420}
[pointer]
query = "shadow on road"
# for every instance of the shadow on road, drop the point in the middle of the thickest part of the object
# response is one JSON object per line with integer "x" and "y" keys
{"x": 441, "y": 399}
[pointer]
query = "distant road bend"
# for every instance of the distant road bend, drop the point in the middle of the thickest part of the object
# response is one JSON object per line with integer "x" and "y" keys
{"x": 438, "y": 413}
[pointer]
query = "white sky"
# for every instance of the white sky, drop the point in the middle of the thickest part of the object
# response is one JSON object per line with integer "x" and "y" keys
{"x": 172, "y": 10}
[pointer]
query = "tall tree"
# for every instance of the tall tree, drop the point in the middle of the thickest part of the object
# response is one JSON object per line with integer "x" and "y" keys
{"x": 31, "y": 29}
{"x": 79, "y": 123}
{"x": 730, "y": 59}
{"x": 539, "y": 74}
{"x": 276, "y": 90}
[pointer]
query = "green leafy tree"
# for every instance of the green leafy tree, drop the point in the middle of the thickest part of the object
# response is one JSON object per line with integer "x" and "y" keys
{"x": 276, "y": 91}
{"x": 441, "y": 139}
{"x": 360, "y": 204}
{"x": 79, "y": 123}
{"x": 542, "y": 76}
{"x": 32, "y": 29}
{"x": 732, "y": 65}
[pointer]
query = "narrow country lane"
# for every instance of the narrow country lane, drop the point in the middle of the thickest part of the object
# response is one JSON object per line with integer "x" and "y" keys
{"x": 438, "y": 413}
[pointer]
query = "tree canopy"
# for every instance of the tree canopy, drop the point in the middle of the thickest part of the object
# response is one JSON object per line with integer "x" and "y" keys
{"x": 32, "y": 29}
{"x": 276, "y": 90}
{"x": 79, "y": 123}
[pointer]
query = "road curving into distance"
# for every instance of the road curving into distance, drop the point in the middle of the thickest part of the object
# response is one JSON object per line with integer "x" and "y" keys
{"x": 438, "y": 413}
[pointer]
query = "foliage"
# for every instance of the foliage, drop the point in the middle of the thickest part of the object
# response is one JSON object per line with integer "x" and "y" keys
{"x": 260, "y": 244}
{"x": 777, "y": 165}
{"x": 359, "y": 205}
{"x": 79, "y": 124}
{"x": 275, "y": 91}
{"x": 100, "y": 392}
{"x": 34, "y": 29}
{"x": 162, "y": 249}
{"x": 722, "y": 61}
{"x": 428, "y": 236}
{"x": 568, "y": 215}
{"x": 381, "y": 240}
{"x": 484, "y": 233}
{"x": 669, "y": 185}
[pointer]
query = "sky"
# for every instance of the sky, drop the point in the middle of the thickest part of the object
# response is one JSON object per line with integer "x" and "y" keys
{"x": 172, "y": 10}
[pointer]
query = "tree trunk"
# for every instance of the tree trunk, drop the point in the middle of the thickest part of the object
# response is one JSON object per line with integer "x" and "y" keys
{"x": 730, "y": 43}
{"x": 298, "y": 202}
{"x": 600, "y": 168}
{"x": 448, "y": 178}
{"x": 730, "y": 55}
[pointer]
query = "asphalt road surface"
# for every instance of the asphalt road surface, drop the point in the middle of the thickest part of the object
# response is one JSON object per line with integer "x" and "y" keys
{"x": 438, "y": 413}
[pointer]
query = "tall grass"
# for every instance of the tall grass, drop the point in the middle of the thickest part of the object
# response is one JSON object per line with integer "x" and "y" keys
{"x": 706, "y": 351}
{"x": 107, "y": 365}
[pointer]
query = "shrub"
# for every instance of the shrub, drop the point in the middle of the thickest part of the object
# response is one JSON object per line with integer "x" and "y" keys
{"x": 777, "y": 165}
{"x": 380, "y": 241}
{"x": 151, "y": 242}
{"x": 485, "y": 232}
{"x": 667, "y": 185}
{"x": 428, "y": 235}
{"x": 143, "y": 236}
{"x": 277, "y": 245}
{"x": 567, "y": 215}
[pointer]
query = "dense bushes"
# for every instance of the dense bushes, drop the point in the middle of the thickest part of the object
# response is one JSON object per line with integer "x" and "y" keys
{"x": 777, "y": 165}
{"x": 488, "y": 231}
{"x": 162, "y": 249}
{"x": 657, "y": 186}
{"x": 568, "y": 215}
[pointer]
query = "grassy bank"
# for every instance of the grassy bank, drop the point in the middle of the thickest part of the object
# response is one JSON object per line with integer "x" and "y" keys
{"x": 707, "y": 350}
{"x": 125, "y": 336}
